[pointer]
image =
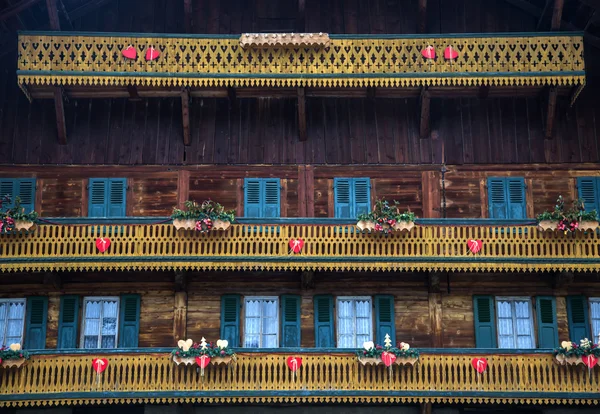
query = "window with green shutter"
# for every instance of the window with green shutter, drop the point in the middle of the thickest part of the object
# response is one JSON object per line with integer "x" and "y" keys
{"x": 12, "y": 321}
{"x": 35, "y": 322}
{"x": 323, "y": 318}
{"x": 67, "y": 322}
{"x": 485, "y": 322}
{"x": 107, "y": 197}
{"x": 546, "y": 322}
{"x": 577, "y": 314}
{"x": 262, "y": 197}
{"x": 352, "y": 196}
{"x": 24, "y": 188}
{"x": 230, "y": 319}
{"x": 506, "y": 198}
{"x": 290, "y": 321}
{"x": 384, "y": 318}
{"x": 588, "y": 189}
{"x": 129, "y": 318}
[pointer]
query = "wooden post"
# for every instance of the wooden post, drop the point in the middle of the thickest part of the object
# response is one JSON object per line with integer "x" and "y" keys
{"x": 53, "y": 14}
{"x": 435, "y": 307}
{"x": 301, "y": 17}
{"x": 133, "y": 93}
{"x": 302, "y": 191}
{"x": 301, "y": 114}
{"x": 180, "y": 307}
{"x": 425, "y": 103}
{"x": 183, "y": 187}
{"x": 422, "y": 24}
{"x": 557, "y": 14}
{"x": 426, "y": 408}
{"x": 187, "y": 10}
{"x": 185, "y": 113}
{"x": 551, "y": 113}
{"x": 59, "y": 107}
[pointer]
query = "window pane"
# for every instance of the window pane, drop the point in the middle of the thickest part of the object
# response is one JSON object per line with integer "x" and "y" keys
{"x": 269, "y": 341}
{"x": 109, "y": 326}
{"x": 504, "y": 310}
{"x": 16, "y": 310}
{"x": 595, "y": 316}
{"x": 92, "y": 327}
{"x": 109, "y": 309}
{"x": 522, "y": 309}
{"x": 253, "y": 308}
{"x": 90, "y": 342}
{"x": 15, "y": 329}
{"x": 251, "y": 341}
{"x": 525, "y": 342}
{"x": 108, "y": 342}
{"x": 92, "y": 310}
{"x": 261, "y": 323}
{"x": 346, "y": 341}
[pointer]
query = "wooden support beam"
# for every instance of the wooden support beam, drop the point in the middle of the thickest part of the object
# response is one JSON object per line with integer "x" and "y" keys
{"x": 16, "y": 9}
{"x": 61, "y": 124}
{"x": 371, "y": 92}
{"x": 557, "y": 14}
{"x": 231, "y": 94}
{"x": 180, "y": 316}
{"x": 484, "y": 91}
{"x": 551, "y": 113}
{"x": 67, "y": 19}
{"x": 425, "y": 104}
{"x": 53, "y": 14}
{"x": 422, "y": 23}
{"x": 302, "y": 114}
{"x": 301, "y": 17}
{"x": 133, "y": 93}
{"x": 307, "y": 280}
{"x": 563, "y": 279}
{"x": 543, "y": 16}
{"x": 426, "y": 408}
{"x": 180, "y": 281}
{"x": 187, "y": 10}
{"x": 185, "y": 112}
{"x": 53, "y": 279}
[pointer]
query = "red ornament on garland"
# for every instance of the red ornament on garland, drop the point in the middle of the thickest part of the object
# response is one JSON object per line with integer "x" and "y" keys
{"x": 450, "y": 53}
{"x": 294, "y": 363}
{"x": 589, "y": 360}
{"x": 475, "y": 246}
{"x": 99, "y": 364}
{"x": 203, "y": 361}
{"x": 480, "y": 364}
{"x": 388, "y": 358}
{"x": 102, "y": 243}
{"x": 152, "y": 54}
{"x": 296, "y": 245}
{"x": 130, "y": 53}
{"x": 428, "y": 52}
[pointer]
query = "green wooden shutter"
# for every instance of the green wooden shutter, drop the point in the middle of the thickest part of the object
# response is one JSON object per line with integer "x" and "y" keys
{"x": 35, "y": 322}
{"x": 7, "y": 189}
{"x": 342, "y": 190}
{"x": 546, "y": 318}
{"x": 485, "y": 322}
{"x": 252, "y": 197}
{"x": 116, "y": 206}
{"x": 577, "y": 313}
{"x": 129, "y": 321}
{"x": 517, "y": 204}
{"x": 98, "y": 188}
{"x": 68, "y": 321}
{"x": 362, "y": 196}
{"x": 324, "y": 321}
{"x": 497, "y": 198}
{"x": 384, "y": 318}
{"x": 290, "y": 321}
{"x": 589, "y": 191}
{"x": 271, "y": 205}
{"x": 25, "y": 190}
{"x": 230, "y": 319}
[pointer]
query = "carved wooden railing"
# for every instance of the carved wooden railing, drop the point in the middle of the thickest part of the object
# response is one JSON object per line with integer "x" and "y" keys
{"x": 149, "y": 376}
{"x": 48, "y": 58}
{"x": 335, "y": 247}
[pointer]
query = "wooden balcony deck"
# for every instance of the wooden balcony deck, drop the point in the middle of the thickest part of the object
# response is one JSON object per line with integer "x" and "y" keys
{"x": 325, "y": 376}
{"x": 428, "y": 247}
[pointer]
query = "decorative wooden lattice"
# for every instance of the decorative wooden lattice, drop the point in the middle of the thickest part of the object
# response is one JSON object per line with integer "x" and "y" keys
{"x": 392, "y": 61}
{"x": 321, "y": 378}
{"x": 266, "y": 247}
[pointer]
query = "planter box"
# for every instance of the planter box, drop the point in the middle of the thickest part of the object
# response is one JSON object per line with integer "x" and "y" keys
{"x": 404, "y": 225}
{"x": 221, "y": 225}
{"x": 370, "y": 361}
{"x": 399, "y": 226}
{"x": 220, "y": 360}
{"x": 13, "y": 363}
{"x": 365, "y": 225}
{"x": 23, "y": 225}
{"x": 564, "y": 360}
{"x": 185, "y": 361}
{"x": 188, "y": 224}
{"x": 588, "y": 225}
{"x": 406, "y": 360}
{"x": 548, "y": 225}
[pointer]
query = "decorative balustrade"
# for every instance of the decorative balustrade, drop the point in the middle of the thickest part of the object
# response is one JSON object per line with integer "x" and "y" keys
{"x": 324, "y": 376}
{"x": 266, "y": 247}
{"x": 48, "y": 58}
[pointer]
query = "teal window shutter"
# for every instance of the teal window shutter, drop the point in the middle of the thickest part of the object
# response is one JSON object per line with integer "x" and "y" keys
{"x": 517, "y": 205}
{"x": 230, "y": 319}
{"x": 253, "y": 204}
{"x": 35, "y": 322}
{"x": 290, "y": 321}
{"x": 97, "y": 198}
{"x": 116, "y": 197}
{"x": 343, "y": 189}
{"x": 7, "y": 189}
{"x": 323, "y": 321}
{"x": 24, "y": 188}
{"x": 262, "y": 197}
{"x": 129, "y": 321}
{"x": 497, "y": 198}
{"x": 68, "y": 321}
{"x": 107, "y": 197}
{"x": 546, "y": 318}
{"x": 271, "y": 192}
{"x": 485, "y": 322}
{"x": 506, "y": 198}
{"x": 589, "y": 191}
{"x": 362, "y": 196}
{"x": 384, "y": 319}
{"x": 577, "y": 313}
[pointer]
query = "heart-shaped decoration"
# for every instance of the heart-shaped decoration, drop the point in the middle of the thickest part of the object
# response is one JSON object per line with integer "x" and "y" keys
{"x": 99, "y": 364}
{"x": 15, "y": 347}
{"x": 102, "y": 243}
{"x": 474, "y": 246}
{"x": 388, "y": 358}
{"x": 130, "y": 52}
{"x": 428, "y": 52}
{"x": 480, "y": 364}
{"x": 185, "y": 345}
{"x": 203, "y": 361}
{"x": 589, "y": 360}
{"x": 450, "y": 53}
{"x": 294, "y": 363}
{"x": 152, "y": 54}
{"x": 296, "y": 245}
{"x": 368, "y": 345}
{"x": 222, "y": 343}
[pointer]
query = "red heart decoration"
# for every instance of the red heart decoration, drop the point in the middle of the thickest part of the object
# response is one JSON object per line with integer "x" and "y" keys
{"x": 480, "y": 364}
{"x": 130, "y": 53}
{"x": 589, "y": 360}
{"x": 388, "y": 358}
{"x": 152, "y": 54}
{"x": 475, "y": 245}
{"x": 102, "y": 243}
{"x": 99, "y": 364}
{"x": 294, "y": 363}
{"x": 450, "y": 53}
{"x": 296, "y": 245}
{"x": 428, "y": 52}
{"x": 203, "y": 361}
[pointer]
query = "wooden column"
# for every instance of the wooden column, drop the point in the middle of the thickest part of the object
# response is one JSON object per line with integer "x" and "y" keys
{"x": 557, "y": 14}
{"x": 425, "y": 103}
{"x": 59, "y": 107}
{"x": 435, "y": 307}
{"x": 551, "y": 112}
{"x": 185, "y": 113}
{"x": 425, "y": 408}
{"x": 302, "y": 114}
{"x": 187, "y": 11}
{"x": 180, "y": 307}
{"x": 183, "y": 187}
{"x": 422, "y": 23}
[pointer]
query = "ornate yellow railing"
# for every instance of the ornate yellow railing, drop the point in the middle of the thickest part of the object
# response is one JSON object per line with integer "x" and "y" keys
{"x": 322, "y": 377}
{"x": 386, "y": 61}
{"x": 334, "y": 247}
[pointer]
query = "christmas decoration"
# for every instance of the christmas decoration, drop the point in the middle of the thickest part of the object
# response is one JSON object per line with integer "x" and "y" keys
{"x": 185, "y": 345}
{"x": 99, "y": 364}
{"x": 296, "y": 245}
{"x": 575, "y": 218}
{"x": 372, "y": 354}
{"x": 388, "y": 358}
{"x": 480, "y": 364}
{"x": 102, "y": 244}
{"x": 450, "y": 53}
{"x": 202, "y": 361}
{"x": 188, "y": 351}
{"x": 152, "y": 54}
{"x": 15, "y": 218}
{"x": 13, "y": 356}
{"x": 589, "y": 360}
{"x": 428, "y": 52}
{"x": 293, "y": 364}
{"x": 202, "y": 217}
{"x": 385, "y": 218}
{"x": 571, "y": 353}
{"x": 130, "y": 52}
{"x": 475, "y": 246}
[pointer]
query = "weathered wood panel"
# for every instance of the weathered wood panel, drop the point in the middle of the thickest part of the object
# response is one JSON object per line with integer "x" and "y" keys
{"x": 61, "y": 197}
{"x": 153, "y": 196}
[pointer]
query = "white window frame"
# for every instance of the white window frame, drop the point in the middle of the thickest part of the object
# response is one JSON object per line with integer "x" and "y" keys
{"x": 87, "y": 299}
{"x": 260, "y": 334}
{"x": 354, "y": 299}
{"x": 5, "y": 327}
{"x": 513, "y": 299}
{"x": 595, "y": 335}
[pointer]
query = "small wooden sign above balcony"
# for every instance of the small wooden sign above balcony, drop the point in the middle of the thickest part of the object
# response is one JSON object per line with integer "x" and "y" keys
{"x": 250, "y": 40}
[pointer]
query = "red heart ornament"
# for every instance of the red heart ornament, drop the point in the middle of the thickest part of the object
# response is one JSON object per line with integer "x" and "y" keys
{"x": 203, "y": 361}
{"x": 589, "y": 360}
{"x": 130, "y": 53}
{"x": 480, "y": 364}
{"x": 102, "y": 243}
{"x": 296, "y": 245}
{"x": 99, "y": 364}
{"x": 152, "y": 54}
{"x": 450, "y": 53}
{"x": 294, "y": 363}
{"x": 428, "y": 52}
{"x": 475, "y": 245}
{"x": 388, "y": 358}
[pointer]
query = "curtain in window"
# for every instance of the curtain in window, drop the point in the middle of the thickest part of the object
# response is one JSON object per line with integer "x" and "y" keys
{"x": 270, "y": 328}
{"x": 262, "y": 323}
{"x": 100, "y": 327}
{"x": 345, "y": 324}
{"x": 595, "y": 317}
{"x": 354, "y": 322}
{"x": 514, "y": 324}
{"x": 12, "y": 319}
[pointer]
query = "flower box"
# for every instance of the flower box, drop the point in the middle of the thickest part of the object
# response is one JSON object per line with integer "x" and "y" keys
{"x": 365, "y": 225}
{"x": 568, "y": 360}
{"x": 13, "y": 363}
{"x": 588, "y": 225}
{"x": 548, "y": 225}
{"x": 186, "y": 224}
{"x": 23, "y": 225}
{"x": 404, "y": 225}
{"x": 220, "y": 360}
{"x": 221, "y": 224}
{"x": 370, "y": 361}
{"x": 406, "y": 360}
{"x": 185, "y": 361}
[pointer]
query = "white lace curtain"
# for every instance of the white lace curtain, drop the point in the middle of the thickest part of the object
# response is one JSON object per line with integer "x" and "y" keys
{"x": 515, "y": 323}
{"x": 595, "y": 318}
{"x": 100, "y": 326}
{"x": 355, "y": 322}
{"x": 261, "y": 323}
{"x": 12, "y": 321}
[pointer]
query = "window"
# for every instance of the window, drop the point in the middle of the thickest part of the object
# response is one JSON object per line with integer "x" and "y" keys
{"x": 589, "y": 191}
{"x": 24, "y": 188}
{"x": 107, "y": 197}
{"x": 354, "y": 321}
{"x": 506, "y": 198}
{"x": 12, "y": 321}
{"x": 261, "y": 328}
{"x": 352, "y": 196}
{"x": 595, "y": 319}
{"x": 515, "y": 323}
{"x": 100, "y": 322}
{"x": 261, "y": 197}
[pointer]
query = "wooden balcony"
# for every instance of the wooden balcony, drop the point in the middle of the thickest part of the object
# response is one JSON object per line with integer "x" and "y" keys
{"x": 431, "y": 246}
{"x": 326, "y": 375}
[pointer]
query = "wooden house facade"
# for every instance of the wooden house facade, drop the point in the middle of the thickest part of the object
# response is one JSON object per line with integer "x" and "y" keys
{"x": 298, "y": 115}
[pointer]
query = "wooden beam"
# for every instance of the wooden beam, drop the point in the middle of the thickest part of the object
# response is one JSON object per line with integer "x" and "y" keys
{"x": 422, "y": 23}
{"x": 543, "y": 16}
{"x": 180, "y": 316}
{"x": 53, "y": 14}
{"x": 484, "y": 91}
{"x": 61, "y": 124}
{"x": 133, "y": 93}
{"x": 53, "y": 279}
{"x": 425, "y": 104}
{"x": 187, "y": 10}
{"x": 16, "y": 9}
{"x": 301, "y": 17}
{"x": 371, "y": 92}
{"x": 63, "y": 10}
{"x": 302, "y": 114}
{"x": 557, "y": 14}
{"x": 551, "y": 113}
{"x": 185, "y": 112}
